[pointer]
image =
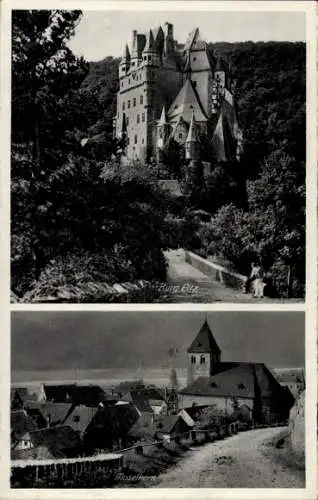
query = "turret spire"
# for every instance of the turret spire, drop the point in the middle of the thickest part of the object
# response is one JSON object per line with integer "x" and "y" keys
{"x": 163, "y": 117}
{"x": 193, "y": 135}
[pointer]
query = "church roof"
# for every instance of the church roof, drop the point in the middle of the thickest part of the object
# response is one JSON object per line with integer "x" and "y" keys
{"x": 204, "y": 341}
{"x": 186, "y": 103}
{"x": 245, "y": 380}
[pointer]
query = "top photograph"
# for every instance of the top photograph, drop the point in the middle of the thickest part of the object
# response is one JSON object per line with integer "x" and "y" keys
{"x": 158, "y": 157}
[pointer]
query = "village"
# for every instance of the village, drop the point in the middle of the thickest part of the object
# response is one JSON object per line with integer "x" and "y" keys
{"x": 66, "y": 430}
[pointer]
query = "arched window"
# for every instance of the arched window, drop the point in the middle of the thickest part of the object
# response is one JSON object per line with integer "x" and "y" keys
{"x": 202, "y": 359}
{"x": 193, "y": 360}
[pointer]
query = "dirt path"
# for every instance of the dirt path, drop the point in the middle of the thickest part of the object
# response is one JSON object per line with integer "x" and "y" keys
{"x": 242, "y": 461}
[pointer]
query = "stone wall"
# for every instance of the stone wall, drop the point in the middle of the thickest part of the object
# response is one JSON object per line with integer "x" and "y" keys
{"x": 217, "y": 272}
{"x": 297, "y": 427}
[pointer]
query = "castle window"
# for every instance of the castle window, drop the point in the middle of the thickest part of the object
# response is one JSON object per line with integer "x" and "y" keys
{"x": 123, "y": 106}
{"x": 127, "y": 120}
{"x": 202, "y": 360}
{"x": 143, "y": 117}
{"x": 133, "y": 63}
{"x": 143, "y": 141}
{"x": 241, "y": 386}
{"x": 127, "y": 140}
{"x": 134, "y": 102}
{"x": 213, "y": 384}
{"x": 136, "y": 139}
{"x": 128, "y": 105}
{"x": 180, "y": 135}
{"x": 145, "y": 58}
{"x": 141, "y": 99}
{"x": 193, "y": 360}
{"x": 149, "y": 58}
{"x": 194, "y": 84}
{"x": 128, "y": 80}
{"x": 138, "y": 118}
{"x": 194, "y": 58}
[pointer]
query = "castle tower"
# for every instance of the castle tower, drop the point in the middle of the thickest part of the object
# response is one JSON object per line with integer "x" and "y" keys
{"x": 203, "y": 354}
{"x": 192, "y": 144}
{"x": 125, "y": 62}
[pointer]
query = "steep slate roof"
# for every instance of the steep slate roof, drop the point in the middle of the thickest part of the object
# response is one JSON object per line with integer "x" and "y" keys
{"x": 186, "y": 103}
{"x": 204, "y": 341}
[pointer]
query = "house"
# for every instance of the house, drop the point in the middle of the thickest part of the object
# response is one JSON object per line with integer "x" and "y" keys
{"x": 172, "y": 426}
{"x": 21, "y": 427}
{"x": 147, "y": 399}
{"x": 80, "y": 418}
{"x": 229, "y": 385}
{"x": 143, "y": 430}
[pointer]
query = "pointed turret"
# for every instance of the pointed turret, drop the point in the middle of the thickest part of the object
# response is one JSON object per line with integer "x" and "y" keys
{"x": 162, "y": 133}
{"x": 125, "y": 61}
{"x": 192, "y": 144}
{"x": 150, "y": 55}
{"x": 150, "y": 43}
{"x": 163, "y": 117}
{"x": 126, "y": 54}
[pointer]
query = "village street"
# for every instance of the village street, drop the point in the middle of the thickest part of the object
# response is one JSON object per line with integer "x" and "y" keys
{"x": 242, "y": 461}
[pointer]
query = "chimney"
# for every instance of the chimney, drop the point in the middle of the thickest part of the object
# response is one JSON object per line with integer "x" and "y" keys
{"x": 134, "y": 41}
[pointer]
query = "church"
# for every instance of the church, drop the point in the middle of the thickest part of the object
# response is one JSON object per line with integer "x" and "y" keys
{"x": 175, "y": 95}
{"x": 230, "y": 384}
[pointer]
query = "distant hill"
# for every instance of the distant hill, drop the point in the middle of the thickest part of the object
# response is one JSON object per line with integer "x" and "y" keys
{"x": 96, "y": 340}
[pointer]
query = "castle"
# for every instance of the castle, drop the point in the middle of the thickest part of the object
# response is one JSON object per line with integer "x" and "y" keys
{"x": 175, "y": 94}
{"x": 252, "y": 386}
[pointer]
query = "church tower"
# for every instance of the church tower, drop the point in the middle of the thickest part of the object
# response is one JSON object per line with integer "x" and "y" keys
{"x": 203, "y": 354}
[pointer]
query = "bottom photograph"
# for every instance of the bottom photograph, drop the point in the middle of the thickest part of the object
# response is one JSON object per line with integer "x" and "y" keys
{"x": 160, "y": 399}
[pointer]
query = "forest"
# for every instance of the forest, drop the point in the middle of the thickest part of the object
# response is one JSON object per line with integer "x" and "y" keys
{"x": 78, "y": 216}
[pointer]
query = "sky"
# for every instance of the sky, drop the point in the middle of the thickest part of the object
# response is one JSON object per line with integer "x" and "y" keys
{"x": 102, "y": 34}
{"x": 114, "y": 340}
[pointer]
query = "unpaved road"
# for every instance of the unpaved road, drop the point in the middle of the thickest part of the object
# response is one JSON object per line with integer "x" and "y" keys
{"x": 241, "y": 461}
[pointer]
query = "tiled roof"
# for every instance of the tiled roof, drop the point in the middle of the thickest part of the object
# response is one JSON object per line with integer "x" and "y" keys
{"x": 245, "y": 380}
{"x": 89, "y": 395}
{"x": 56, "y": 438}
{"x": 80, "y": 418}
{"x": 115, "y": 421}
{"x": 55, "y": 413}
{"x": 204, "y": 341}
